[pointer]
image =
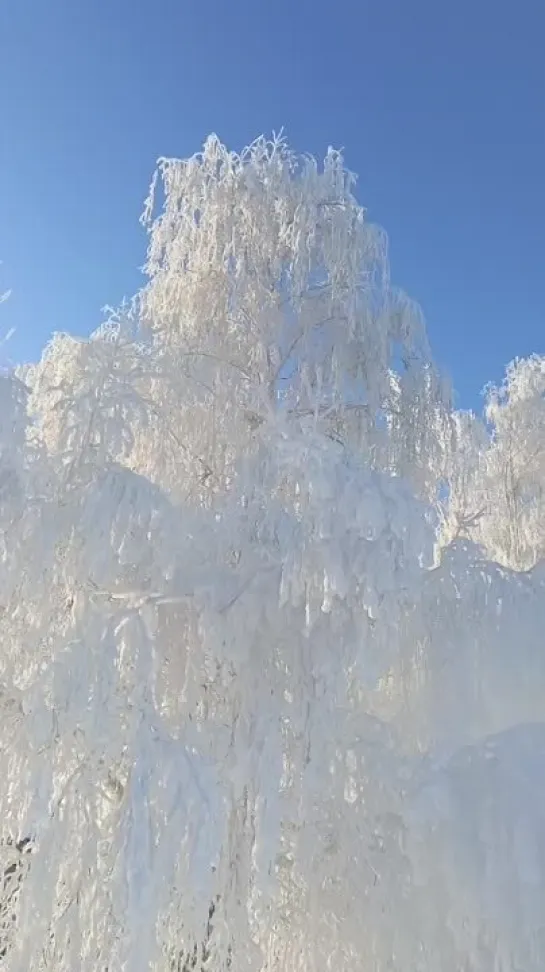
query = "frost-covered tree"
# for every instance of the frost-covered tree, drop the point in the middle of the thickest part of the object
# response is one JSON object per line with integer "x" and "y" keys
{"x": 496, "y": 470}
{"x": 225, "y": 741}
{"x": 516, "y": 464}
{"x": 268, "y": 293}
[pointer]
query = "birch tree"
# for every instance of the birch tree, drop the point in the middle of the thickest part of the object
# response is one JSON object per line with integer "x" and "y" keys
{"x": 224, "y": 742}
{"x": 496, "y": 471}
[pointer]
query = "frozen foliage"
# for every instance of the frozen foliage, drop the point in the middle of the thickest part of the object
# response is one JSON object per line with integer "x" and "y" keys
{"x": 497, "y": 473}
{"x": 249, "y": 719}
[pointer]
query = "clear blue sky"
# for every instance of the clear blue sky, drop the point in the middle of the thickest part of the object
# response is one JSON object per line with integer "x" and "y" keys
{"x": 440, "y": 108}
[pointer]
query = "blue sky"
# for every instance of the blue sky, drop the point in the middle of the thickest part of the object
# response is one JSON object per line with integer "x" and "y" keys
{"x": 440, "y": 108}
